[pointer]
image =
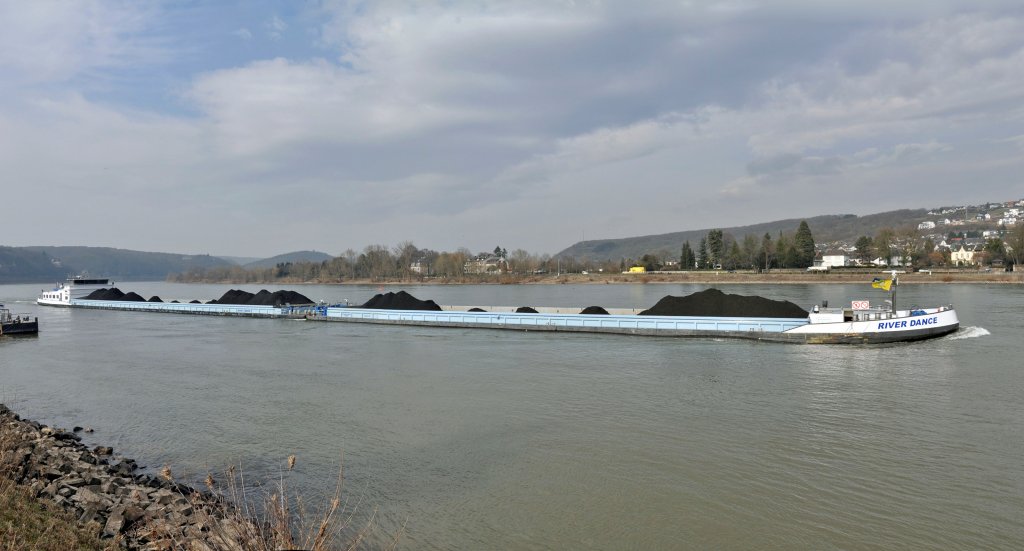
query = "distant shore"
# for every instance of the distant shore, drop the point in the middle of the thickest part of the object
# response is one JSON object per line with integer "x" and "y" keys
{"x": 720, "y": 277}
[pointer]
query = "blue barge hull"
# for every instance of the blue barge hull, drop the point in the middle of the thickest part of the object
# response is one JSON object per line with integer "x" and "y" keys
{"x": 185, "y": 308}
{"x": 678, "y": 326}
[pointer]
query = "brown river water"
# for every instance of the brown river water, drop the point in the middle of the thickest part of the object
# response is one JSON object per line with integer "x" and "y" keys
{"x": 483, "y": 439}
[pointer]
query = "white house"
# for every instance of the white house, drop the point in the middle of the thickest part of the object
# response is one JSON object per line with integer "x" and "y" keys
{"x": 926, "y": 225}
{"x": 835, "y": 259}
{"x": 483, "y": 265}
{"x": 964, "y": 256}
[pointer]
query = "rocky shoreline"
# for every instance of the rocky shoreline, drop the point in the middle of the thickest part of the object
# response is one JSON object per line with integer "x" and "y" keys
{"x": 109, "y": 493}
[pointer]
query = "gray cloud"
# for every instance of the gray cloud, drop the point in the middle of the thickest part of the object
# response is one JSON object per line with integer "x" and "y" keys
{"x": 439, "y": 123}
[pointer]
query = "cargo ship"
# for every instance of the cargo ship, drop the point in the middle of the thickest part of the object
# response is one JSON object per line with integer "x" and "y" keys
{"x": 859, "y": 323}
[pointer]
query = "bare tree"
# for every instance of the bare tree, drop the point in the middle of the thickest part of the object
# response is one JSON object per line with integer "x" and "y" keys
{"x": 1015, "y": 245}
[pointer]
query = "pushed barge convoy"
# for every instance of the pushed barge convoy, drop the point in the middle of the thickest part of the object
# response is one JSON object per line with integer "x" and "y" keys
{"x": 857, "y": 324}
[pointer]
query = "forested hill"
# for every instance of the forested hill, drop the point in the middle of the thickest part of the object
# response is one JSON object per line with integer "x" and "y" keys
{"x": 21, "y": 266}
{"x": 830, "y": 227}
{"x": 294, "y": 257}
{"x": 50, "y": 264}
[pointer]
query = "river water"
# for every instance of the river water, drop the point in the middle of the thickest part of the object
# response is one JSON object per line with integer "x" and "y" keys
{"x": 481, "y": 439}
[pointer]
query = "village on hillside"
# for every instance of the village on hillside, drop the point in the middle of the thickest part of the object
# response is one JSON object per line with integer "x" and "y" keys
{"x": 958, "y": 236}
{"x": 988, "y": 236}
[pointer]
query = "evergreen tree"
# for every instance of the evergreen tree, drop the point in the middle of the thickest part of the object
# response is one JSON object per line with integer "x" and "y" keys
{"x": 781, "y": 248}
{"x": 733, "y": 258}
{"x": 791, "y": 257}
{"x": 767, "y": 251}
{"x": 716, "y": 246}
{"x": 702, "y": 254}
{"x": 650, "y": 262}
{"x": 995, "y": 248}
{"x": 749, "y": 258}
{"x": 865, "y": 248}
{"x": 804, "y": 243}
{"x": 686, "y": 258}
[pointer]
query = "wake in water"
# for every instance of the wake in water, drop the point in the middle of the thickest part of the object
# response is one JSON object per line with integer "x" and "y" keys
{"x": 969, "y": 333}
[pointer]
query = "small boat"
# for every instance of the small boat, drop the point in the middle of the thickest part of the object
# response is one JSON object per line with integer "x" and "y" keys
{"x": 75, "y": 287}
{"x": 17, "y": 324}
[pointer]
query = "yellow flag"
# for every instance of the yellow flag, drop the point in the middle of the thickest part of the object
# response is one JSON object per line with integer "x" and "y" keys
{"x": 883, "y": 284}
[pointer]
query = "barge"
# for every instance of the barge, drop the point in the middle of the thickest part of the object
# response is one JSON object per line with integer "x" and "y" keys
{"x": 860, "y": 323}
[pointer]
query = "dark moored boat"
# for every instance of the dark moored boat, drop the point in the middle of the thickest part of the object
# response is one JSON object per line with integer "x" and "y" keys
{"x": 17, "y": 324}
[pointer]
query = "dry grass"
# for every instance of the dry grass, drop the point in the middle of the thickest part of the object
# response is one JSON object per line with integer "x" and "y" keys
{"x": 28, "y": 523}
{"x": 270, "y": 517}
{"x": 261, "y": 517}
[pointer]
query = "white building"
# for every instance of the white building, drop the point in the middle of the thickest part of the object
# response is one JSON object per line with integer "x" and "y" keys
{"x": 483, "y": 264}
{"x": 926, "y": 225}
{"x": 964, "y": 256}
{"x": 835, "y": 259}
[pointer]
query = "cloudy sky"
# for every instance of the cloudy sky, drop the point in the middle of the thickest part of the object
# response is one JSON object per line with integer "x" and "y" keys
{"x": 254, "y": 127}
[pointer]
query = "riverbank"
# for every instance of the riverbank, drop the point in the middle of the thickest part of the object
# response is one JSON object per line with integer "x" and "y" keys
{"x": 790, "y": 277}
{"x": 113, "y": 502}
{"x": 719, "y": 277}
{"x": 56, "y": 493}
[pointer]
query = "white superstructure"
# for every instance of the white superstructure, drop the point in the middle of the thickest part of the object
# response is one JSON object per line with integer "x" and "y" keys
{"x": 75, "y": 287}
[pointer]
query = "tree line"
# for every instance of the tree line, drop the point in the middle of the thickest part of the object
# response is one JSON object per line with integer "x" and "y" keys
{"x": 404, "y": 261}
{"x": 716, "y": 250}
{"x": 720, "y": 250}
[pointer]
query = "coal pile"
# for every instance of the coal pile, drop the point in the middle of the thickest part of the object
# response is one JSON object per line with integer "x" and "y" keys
{"x": 399, "y": 301}
{"x": 476, "y": 310}
{"x": 234, "y": 296}
{"x": 155, "y": 298}
{"x": 112, "y": 293}
{"x": 594, "y": 310}
{"x": 715, "y": 303}
{"x": 194, "y": 302}
{"x": 262, "y": 298}
{"x": 131, "y": 296}
{"x": 525, "y": 310}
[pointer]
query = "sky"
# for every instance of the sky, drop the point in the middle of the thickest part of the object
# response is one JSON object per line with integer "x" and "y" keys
{"x": 254, "y": 128}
